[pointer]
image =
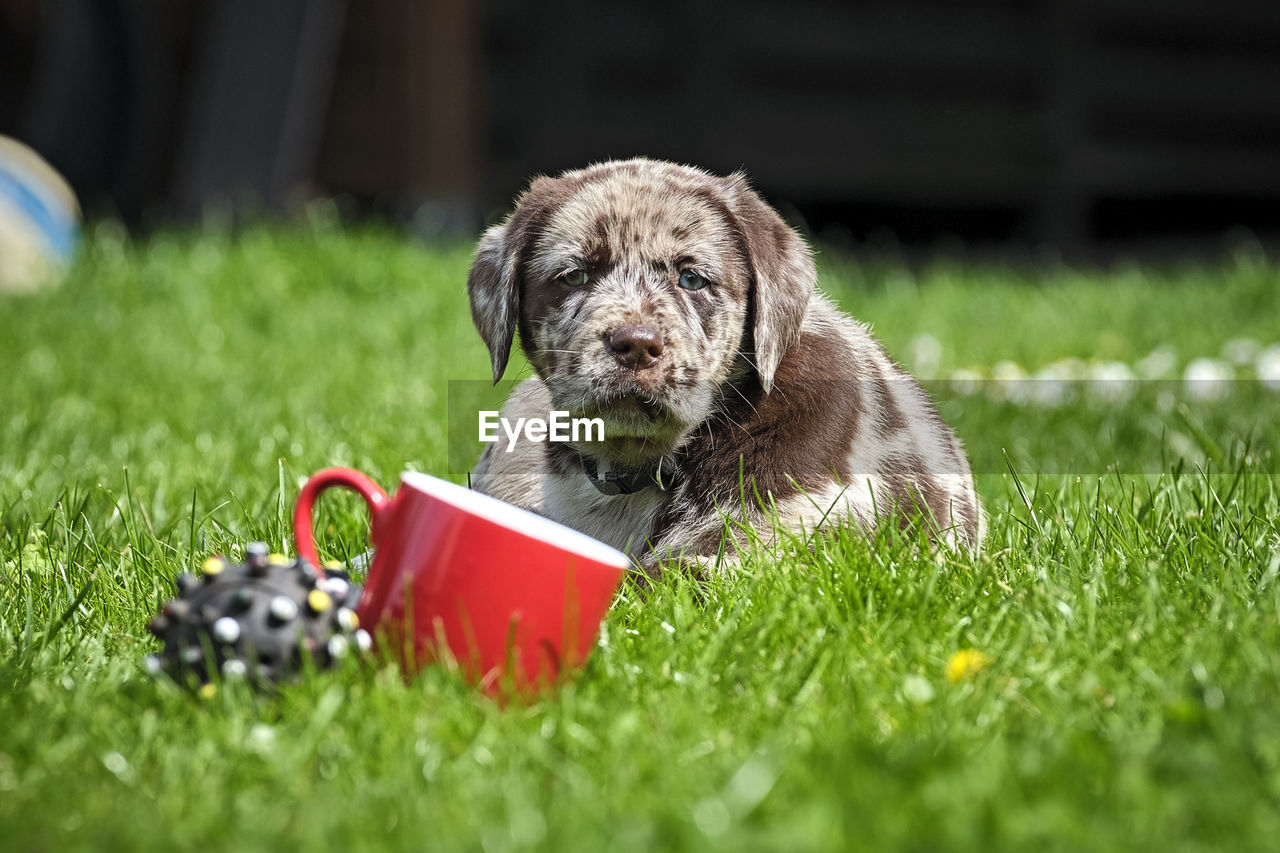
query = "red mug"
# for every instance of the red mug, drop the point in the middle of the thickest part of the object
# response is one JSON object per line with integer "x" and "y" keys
{"x": 506, "y": 591}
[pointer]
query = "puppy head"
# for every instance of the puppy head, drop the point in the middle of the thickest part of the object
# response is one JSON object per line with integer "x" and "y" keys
{"x": 640, "y": 288}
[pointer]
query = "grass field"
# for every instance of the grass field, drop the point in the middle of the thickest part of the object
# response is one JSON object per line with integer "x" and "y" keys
{"x": 1124, "y": 618}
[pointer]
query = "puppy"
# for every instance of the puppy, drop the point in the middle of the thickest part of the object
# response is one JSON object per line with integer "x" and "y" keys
{"x": 679, "y": 309}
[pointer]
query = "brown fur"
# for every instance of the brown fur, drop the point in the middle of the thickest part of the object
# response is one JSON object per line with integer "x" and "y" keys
{"x": 762, "y": 387}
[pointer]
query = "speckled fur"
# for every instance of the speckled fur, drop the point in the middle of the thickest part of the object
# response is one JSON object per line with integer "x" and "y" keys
{"x": 761, "y": 377}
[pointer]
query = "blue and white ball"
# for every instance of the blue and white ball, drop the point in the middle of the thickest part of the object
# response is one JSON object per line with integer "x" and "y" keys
{"x": 39, "y": 219}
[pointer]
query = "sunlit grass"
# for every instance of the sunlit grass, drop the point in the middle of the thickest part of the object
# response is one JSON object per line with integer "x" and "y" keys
{"x": 163, "y": 404}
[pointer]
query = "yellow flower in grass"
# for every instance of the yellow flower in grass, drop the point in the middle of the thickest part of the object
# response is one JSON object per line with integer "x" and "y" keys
{"x": 966, "y": 663}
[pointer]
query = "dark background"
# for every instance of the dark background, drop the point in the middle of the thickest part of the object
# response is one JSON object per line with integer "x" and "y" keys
{"x": 1076, "y": 125}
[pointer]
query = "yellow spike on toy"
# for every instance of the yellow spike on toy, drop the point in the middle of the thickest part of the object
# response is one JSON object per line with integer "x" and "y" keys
{"x": 319, "y": 600}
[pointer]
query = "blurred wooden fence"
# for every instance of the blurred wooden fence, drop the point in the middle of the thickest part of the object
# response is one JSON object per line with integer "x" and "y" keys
{"x": 1054, "y": 120}
{"x": 1066, "y": 122}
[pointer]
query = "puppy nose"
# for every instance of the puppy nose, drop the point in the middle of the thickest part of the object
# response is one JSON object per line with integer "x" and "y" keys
{"x": 636, "y": 346}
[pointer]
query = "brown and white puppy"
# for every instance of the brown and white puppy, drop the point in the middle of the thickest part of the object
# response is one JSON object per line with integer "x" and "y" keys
{"x": 681, "y": 310}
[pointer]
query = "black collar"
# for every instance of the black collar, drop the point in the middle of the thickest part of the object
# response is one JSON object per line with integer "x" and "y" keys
{"x": 611, "y": 480}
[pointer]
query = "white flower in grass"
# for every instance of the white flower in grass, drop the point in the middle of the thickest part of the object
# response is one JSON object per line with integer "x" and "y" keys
{"x": 1111, "y": 381}
{"x": 1008, "y": 370}
{"x": 925, "y": 352}
{"x": 1160, "y": 363}
{"x": 965, "y": 381}
{"x": 1050, "y": 387}
{"x": 261, "y": 739}
{"x": 917, "y": 690}
{"x": 1268, "y": 367}
{"x": 1010, "y": 382}
{"x": 1072, "y": 368}
{"x": 1207, "y": 378}
{"x": 1241, "y": 350}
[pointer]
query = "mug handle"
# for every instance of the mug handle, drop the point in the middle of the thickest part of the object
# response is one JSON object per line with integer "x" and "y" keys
{"x": 349, "y": 478}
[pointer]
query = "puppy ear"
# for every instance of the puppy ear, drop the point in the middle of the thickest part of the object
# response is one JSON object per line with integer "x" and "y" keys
{"x": 783, "y": 277}
{"x": 494, "y": 288}
{"x": 494, "y": 281}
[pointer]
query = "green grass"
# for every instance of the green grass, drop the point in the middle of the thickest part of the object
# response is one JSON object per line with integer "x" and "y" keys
{"x": 164, "y": 402}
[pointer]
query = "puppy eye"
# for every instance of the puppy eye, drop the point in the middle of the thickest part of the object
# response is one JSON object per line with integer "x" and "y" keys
{"x": 575, "y": 278}
{"x": 690, "y": 280}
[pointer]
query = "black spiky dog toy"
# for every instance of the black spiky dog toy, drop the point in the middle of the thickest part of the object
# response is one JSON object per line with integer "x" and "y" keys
{"x": 258, "y": 620}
